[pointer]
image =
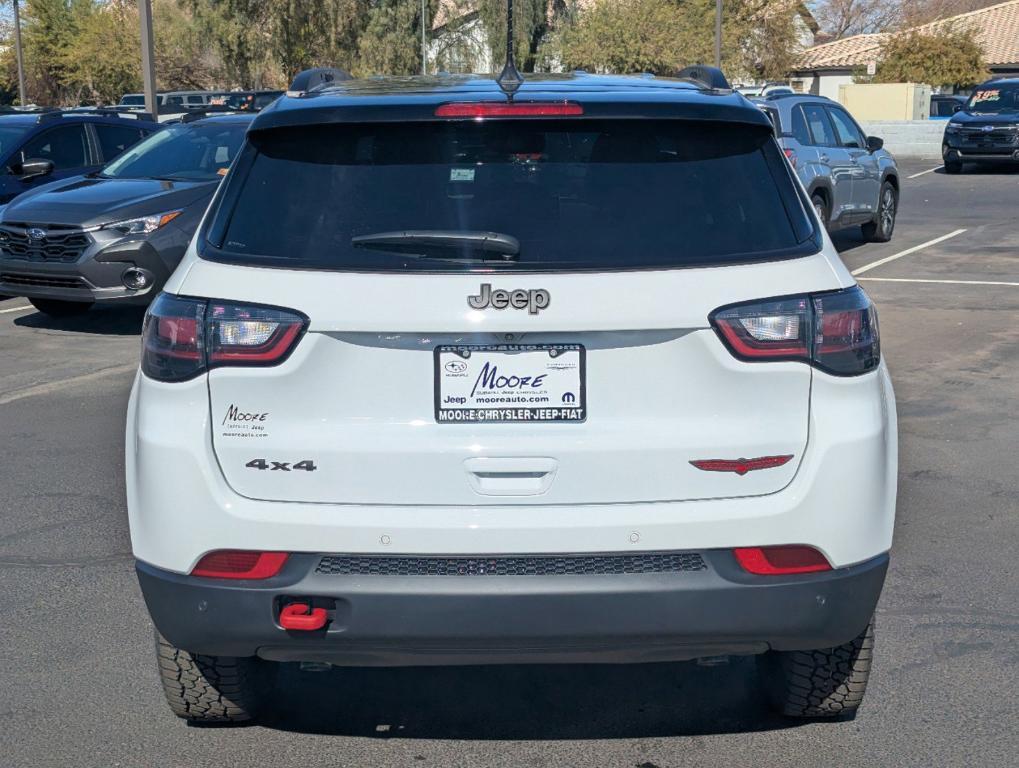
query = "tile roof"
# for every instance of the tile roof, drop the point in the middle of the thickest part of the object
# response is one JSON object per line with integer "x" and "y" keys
{"x": 996, "y": 29}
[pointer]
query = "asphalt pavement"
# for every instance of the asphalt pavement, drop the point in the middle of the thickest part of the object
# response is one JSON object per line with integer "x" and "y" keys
{"x": 78, "y": 685}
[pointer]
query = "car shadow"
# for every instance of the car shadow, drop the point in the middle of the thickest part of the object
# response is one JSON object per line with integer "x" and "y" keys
{"x": 104, "y": 321}
{"x": 523, "y": 702}
{"x": 995, "y": 169}
{"x": 848, "y": 239}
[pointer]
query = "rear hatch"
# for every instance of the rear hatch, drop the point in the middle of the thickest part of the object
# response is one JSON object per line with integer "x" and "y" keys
{"x": 508, "y": 312}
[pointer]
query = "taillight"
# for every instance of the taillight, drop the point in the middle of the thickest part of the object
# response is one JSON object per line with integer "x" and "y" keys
{"x": 836, "y": 332}
{"x": 239, "y": 564}
{"x": 184, "y": 337}
{"x": 791, "y": 157}
{"x": 781, "y": 560}
{"x": 479, "y": 110}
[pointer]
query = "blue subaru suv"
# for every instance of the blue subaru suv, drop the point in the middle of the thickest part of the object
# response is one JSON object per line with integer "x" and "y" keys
{"x": 39, "y": 147}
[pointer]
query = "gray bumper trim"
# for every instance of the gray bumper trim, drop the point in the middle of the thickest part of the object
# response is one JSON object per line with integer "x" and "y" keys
{"x": 414, "y": 620}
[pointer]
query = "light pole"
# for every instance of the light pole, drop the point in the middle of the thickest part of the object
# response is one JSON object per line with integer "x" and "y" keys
{"x": 148, "y": 57}
{"x": 424, "y": 45}
{"x": 17, "y": 50}
{"x": 718, "y": 33}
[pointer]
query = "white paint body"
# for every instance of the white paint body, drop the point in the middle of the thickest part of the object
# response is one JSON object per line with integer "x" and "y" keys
{"x": 356, "y": 397}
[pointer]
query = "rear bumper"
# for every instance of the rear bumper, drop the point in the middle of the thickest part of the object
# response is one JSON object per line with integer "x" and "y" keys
{"x": 400, "y": 620}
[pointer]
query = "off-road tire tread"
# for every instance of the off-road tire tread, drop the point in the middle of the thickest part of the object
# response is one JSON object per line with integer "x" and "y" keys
{"x": 828, "y": 682}
{"x": 209, "y": 689}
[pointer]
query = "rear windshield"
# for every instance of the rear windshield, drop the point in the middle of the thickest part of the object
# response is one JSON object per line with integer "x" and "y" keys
{"x": 574, "y": 195}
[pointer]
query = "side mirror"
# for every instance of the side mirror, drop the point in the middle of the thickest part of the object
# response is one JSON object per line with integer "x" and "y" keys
{"x": 956, "y": 108}
{"x": 33, "y": 169}
{"x": 874, "y": 143}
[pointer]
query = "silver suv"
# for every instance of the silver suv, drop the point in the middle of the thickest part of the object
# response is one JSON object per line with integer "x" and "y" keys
{"x": 851, "y": 179}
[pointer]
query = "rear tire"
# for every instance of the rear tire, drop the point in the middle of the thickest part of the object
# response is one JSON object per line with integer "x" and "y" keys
{"x": 57, "y": 308}
{"x": 829, "y": 682}
{"x": 880, "y": 230}
{"x": 210, "y": 689}
{"x": 821, "y": 208}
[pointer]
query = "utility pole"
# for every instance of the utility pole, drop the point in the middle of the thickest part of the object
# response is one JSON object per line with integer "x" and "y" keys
{"x": 424, "y": 45}
{"x": 17, "y": 49}
{"x": 718, "y": 33}
{"x": 148, "y": 58}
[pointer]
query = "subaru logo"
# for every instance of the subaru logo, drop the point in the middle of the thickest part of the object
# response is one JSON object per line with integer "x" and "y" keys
{"x": 987, "y": 128}
{"x": 34, "y": 233}
{"x": 456, "y": 366}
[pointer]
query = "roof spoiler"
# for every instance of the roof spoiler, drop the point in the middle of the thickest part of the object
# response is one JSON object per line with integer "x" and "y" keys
{"x": 710, "y": 77}
{"x": 319, "y": 77}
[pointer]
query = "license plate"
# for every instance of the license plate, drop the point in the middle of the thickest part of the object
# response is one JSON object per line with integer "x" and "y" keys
{"x": 510, "y": 382}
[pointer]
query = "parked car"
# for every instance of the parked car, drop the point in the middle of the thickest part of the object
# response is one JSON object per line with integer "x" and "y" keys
{"x": 763, "y": 91}
{"x": 41, "y": 146}
{"x": 851, "y": 179}
{"x": 116, "y": 235}
{"x": 170, "y": 99}
{"x": 460, "y": 373}
{"x": 250, "y": 101}
{"x": 943, "y": 106}
{"x": 986, "y": 130}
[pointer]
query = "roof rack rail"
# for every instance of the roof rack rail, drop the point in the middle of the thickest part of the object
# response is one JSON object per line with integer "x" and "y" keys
{"x": 55, "y": 114}
{"x": 313, "y": 79}
{"x": 711, "y": 77}
{"x": 212, "y": 110}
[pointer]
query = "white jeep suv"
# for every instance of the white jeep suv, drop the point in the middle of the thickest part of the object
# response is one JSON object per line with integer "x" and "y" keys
{"x": 454, "y": 377}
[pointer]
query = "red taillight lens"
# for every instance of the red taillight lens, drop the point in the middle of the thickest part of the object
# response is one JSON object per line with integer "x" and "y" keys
{"x": 185, "y": 337}
{"x": 783, "y": 560}
{"x": 741, "y": 466}
{"x": 836, "y": 332}
{"x": 239, "y": 564}
{"x": 479, "y": 110}
{"x": 791, "y": 157}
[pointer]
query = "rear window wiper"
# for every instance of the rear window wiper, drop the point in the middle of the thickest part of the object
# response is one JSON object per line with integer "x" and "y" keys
{"x": 445, "y": 243}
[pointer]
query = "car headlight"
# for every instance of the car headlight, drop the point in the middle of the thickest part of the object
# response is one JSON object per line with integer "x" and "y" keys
{"x": 952, "y": 128}
{"x": 144, "y": 224}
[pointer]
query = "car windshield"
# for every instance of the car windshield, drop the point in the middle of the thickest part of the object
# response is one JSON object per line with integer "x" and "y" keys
{"x": 132, "y": 101}
{"x": 994, "y": 99}
{"x": 181, "y": 153}
{"x": 11, "y": 136}
{"x": 581, "y": 195}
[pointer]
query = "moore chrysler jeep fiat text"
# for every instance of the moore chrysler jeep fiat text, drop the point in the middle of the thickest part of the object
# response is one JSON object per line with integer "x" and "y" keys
{"x": 454, "y": 373}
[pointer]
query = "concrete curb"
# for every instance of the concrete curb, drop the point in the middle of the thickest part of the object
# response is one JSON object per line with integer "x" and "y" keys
{"x": 909, "y": 139}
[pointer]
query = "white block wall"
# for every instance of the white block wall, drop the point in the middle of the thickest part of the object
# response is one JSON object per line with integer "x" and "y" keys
{"x": 909, "y": 139}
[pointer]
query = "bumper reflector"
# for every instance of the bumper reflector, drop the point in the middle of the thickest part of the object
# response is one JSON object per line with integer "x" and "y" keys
{"x": 239, "y": 564}
{"x": 781, "y": 560}
{"x": 741, "y": 466}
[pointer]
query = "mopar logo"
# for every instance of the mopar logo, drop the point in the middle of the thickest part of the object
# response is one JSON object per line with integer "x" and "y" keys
{"x": 34, "y": 233}
{"x": 569, "y": 398}
{"x": 533, "y": 300}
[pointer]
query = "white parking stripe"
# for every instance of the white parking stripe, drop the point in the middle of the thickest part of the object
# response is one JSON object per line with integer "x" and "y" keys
{"x": 949, "y": 282}
{"x": 16, "y": 309}
{"x": 929, "y": 170}
{"x": 906, "y": 252}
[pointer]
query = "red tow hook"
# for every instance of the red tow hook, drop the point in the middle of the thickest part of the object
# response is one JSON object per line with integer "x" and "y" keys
{"x": 299, "y": 616}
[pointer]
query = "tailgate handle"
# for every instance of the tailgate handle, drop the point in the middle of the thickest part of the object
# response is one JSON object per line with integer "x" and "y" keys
{"x": 511, "y": 476}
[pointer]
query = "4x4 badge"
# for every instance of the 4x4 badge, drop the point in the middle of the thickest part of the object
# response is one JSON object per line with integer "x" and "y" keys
{"x": 534, "y": 300}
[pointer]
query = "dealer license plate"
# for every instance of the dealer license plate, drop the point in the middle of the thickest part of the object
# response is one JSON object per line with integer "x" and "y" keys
{"x": 510, "y": 382}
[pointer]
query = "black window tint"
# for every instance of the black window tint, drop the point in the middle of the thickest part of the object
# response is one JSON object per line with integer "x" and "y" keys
{"x": 576, "y": 194}
{"x": 174, "y": 101}
{"x": 849, "y": 135}
{"x": 820, "y": 128}
{"x": 114, "y": 139}
{"x": 799, "y": 127}
{"x": 195, "y": 99}
{"x": 189, "y": 152}
{"x": 65, "y": 147}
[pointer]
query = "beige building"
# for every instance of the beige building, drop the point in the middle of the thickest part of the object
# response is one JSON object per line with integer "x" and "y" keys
{"x": 823, "y": 68}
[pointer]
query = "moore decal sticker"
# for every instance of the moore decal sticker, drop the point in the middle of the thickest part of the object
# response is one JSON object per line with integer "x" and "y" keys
{"x": 239, "y": 423}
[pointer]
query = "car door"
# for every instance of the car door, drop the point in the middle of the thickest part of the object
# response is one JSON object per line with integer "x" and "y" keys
{"x": 65, "y": 146}
{"x": 866, "y": 170}
{"x": 833, "y": 159}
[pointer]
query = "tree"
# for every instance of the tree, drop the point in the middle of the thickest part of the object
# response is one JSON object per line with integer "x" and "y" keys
{"x": 950, "y": 57}
{"x": 844, "y": 18}
{"x": 100, "y": 62}
{"x": 391, "y": 41}
{"x": 661, "y": 36}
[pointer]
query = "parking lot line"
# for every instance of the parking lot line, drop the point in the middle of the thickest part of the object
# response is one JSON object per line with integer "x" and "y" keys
{"x": 929, "y": 170}
{"x": 900, "y": 254}
{"x": 16, "y": 309}
{"x": 949, "y": 282}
